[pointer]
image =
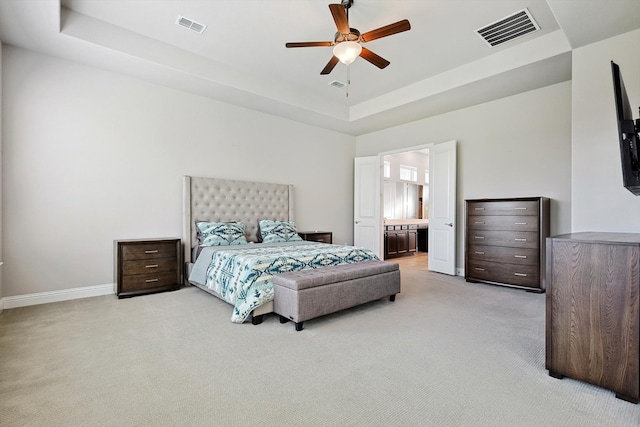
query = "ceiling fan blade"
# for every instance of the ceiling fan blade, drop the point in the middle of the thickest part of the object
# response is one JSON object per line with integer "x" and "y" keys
{"x": 330, "y": 65}
{"x": 376, "y": 60}
{"x": 340, "y": 17}
{"x": 388, "y": 30}
{"x": 308, "y": 44}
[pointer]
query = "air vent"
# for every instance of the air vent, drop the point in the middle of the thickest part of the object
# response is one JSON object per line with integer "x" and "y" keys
{"x": 508, "y": 28}
{"x": 191, "y": 25}
{"x": 336, "y": 83}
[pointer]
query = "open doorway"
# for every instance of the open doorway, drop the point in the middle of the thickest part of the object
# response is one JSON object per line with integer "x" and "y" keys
{"x": 369, "y": 226}
{"x": 406, "y": 203}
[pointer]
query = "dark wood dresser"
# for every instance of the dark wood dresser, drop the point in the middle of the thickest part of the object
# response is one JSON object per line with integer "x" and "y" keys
{"x": 505, "y": 241}
{"x": 146, "y": 266}
{"x": 317, "y": 236}
{"x": 593, "y": 310}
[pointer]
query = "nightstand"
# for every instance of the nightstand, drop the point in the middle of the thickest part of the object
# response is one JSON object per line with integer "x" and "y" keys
{"x": 317, "y": 236}
{"x": 144, "y": 266}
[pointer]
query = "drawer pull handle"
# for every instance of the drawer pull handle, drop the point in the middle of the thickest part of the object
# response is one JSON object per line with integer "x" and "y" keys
{"x": 479, "y": 269}
{"x": 478, "y": 237}
{"x": 520, "y": 209}
{"x": 520, "y": 256}
{"x": 521, "y": 223}
{"x": 479, "y": 222}
{"x": 520, "y": 240}
{"x": 479, "y": 252}
{"x": 478, "y": 209}
{"x": 520, "y": 274}
{"x": 151, "y": 280}
{"x": 151, "y": 266}
{"x": 151, "y": 252}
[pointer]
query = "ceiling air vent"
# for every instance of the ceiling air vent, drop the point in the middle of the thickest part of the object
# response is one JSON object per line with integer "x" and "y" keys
{"x": 508, "y": 28}
{"x": 192, "y": 25}
{"x": 336, "y": 83}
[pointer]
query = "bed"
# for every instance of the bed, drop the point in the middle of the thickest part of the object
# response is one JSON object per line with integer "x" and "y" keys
{"x": 240, "y": 274}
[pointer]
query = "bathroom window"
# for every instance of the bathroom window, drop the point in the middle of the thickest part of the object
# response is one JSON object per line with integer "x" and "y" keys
{"x": 408, "y": 173}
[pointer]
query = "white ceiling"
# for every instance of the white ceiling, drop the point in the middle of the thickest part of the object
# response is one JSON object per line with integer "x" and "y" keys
{"x": 441, "y": 64}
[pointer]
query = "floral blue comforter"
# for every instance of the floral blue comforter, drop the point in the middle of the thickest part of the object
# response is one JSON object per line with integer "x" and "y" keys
{"x": 242, "y": 275}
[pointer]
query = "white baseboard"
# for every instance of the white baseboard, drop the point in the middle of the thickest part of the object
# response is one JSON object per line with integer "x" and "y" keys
{"x": 56, "y": 296}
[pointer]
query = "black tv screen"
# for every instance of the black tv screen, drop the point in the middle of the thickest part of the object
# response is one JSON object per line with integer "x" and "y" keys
{"x": 627, "y": 134}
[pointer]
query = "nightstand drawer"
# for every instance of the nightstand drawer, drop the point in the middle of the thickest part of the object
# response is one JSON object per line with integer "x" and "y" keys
{"x": 148, "y": 250}
{"x": 147, "y": 281}
{"x": 317, "y": 236}
{"x": 155, "y": 265}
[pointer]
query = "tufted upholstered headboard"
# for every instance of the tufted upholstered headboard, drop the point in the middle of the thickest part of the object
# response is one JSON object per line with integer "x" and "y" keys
{"x": 225, "y": 200}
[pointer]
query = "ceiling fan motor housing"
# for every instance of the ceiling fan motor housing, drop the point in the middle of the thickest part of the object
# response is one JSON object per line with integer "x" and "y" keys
{"x": 353, "y": 36}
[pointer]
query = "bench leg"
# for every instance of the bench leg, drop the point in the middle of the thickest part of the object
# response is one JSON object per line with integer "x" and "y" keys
{"x": 627, "y": 398}
{"x": 256, "y": 320}
{"x": 299, "y": 326}
{"x": 392, "y": 298}
{"x": 283, "y": 319}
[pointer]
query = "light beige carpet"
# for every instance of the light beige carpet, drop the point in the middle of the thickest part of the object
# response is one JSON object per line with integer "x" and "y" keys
{"x": 445, "y": 353}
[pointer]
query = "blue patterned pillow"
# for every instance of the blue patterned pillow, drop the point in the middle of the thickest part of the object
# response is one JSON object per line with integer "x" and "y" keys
{"x": 278, "y": 231}
{"x": 221, "y": 233}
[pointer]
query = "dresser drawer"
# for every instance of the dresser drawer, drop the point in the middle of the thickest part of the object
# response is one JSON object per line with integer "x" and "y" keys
{"x": 503, "y": 222}
{"x": 148, "y": 250}
{"x": 155, "y": 265}
{"x": 518, "y": 256}
{"x": 521, "y": 275}
{"x": 511, "y": 207}
{"x": 516, "y": 239}
{"x": 138, "y": 282}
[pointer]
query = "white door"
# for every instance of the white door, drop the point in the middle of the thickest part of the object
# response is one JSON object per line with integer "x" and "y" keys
{"x": 367, "y": 232}
{"x": 442, "y": 208}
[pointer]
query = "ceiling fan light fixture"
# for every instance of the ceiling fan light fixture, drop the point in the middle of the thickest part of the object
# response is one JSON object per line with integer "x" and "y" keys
{"x": 347, "y": 51}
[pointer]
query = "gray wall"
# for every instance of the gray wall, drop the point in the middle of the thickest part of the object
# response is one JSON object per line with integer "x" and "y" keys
{"x": 600, "y": 202}
{"x": 91, "y": 156}
{"x": 513, "y": 147}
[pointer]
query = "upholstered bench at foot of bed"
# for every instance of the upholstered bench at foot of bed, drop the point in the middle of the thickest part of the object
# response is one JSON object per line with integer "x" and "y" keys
{"x": 307, "y": 294}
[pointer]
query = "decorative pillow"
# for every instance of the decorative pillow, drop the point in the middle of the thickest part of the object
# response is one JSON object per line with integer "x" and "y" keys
{"x": 278, "y": 231}
{"x": 221, "y": 233}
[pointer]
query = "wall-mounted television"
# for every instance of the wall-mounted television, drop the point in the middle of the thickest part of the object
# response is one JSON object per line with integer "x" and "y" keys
{"x": 627, "y": 133}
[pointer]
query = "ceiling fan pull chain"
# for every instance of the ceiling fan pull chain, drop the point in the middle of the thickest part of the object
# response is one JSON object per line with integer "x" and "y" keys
{"x": 348, "y": 78}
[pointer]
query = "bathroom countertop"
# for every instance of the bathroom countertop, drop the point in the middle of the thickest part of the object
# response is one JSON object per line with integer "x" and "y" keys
{"x": 405, "y": 221}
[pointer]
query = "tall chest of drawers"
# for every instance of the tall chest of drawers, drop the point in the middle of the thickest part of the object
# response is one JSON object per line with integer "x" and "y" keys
{"x": 505, "y": 241}
{"x": 146, "y": 266}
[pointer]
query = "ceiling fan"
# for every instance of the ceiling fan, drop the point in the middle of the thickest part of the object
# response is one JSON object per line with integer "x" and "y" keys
{"x": 347, "y": 42}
